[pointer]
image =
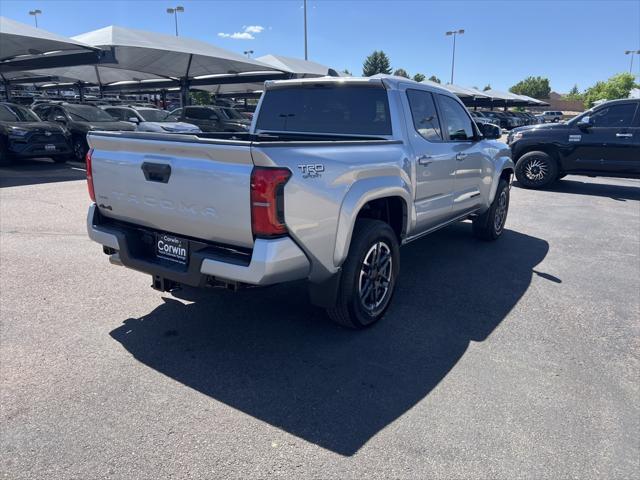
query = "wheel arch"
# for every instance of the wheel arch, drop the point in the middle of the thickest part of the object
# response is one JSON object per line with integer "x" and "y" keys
{"x": 379, "y": 198}
{"x": 549, "y": 149}
{"x": 504, "y": 168}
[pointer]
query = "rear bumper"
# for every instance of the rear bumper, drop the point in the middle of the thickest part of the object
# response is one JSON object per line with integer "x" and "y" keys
{"x": 271, "y": 261}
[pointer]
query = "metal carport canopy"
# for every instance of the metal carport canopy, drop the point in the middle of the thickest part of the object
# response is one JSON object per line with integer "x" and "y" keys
{"x": 187, "y": 61}
{"x": 534, "y": 102}
{"x": 507, "y": 99}
{"x": 23, "y": 47}
{"x": 295, "y": 67}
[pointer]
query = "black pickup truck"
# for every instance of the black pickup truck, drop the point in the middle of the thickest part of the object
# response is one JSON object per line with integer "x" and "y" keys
{"x": 603, "y": 141}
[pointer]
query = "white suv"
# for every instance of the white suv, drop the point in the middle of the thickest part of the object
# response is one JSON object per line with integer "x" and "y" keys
{"x": 551, "y": 116}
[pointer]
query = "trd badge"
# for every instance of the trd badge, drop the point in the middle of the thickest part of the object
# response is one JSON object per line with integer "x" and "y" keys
{"x": 311, "y": 170}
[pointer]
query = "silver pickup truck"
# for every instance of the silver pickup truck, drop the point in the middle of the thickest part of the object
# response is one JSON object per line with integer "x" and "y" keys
{"x": 333, "y": 176}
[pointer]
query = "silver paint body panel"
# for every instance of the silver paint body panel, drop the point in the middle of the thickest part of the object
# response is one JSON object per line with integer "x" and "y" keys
{"x": 207, "y": 196}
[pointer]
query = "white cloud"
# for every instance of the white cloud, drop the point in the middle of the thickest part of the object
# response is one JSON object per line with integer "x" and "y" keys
{"x": 246, "y": 34}
{"x": 253, "y": 28}
{"x": 237, "y": 35}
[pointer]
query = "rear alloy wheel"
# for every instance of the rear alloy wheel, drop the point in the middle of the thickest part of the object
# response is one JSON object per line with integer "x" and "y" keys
{"x": 375, "y": 277}
{"x": 536, "y": 170}
{"x": 368, "y": 276}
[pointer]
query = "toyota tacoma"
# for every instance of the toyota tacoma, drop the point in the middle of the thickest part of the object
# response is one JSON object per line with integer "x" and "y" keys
{"x": 332, "y": 177}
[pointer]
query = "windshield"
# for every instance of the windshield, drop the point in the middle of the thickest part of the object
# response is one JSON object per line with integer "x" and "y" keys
{"x": 576, "y": 119}
{"x": 153, "y": 115}
{"x": 232, "y": 114}
{"x": 16, "y": 113}
{"x": 88, "y": 113}
{"x": 331, "y": 109}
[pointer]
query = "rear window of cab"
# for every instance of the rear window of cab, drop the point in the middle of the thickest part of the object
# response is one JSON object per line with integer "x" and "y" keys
{"x": 331, "y": 109}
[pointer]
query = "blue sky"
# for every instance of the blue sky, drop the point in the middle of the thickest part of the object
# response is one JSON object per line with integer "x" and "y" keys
{"x": 576, "y": 41}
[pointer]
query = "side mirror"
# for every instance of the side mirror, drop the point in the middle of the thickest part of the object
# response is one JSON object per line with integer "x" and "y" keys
{"x": 490, "y": 131}
{"x": 585, "y": 122}
{"x": 59, "y": 118}
{"x": 133, "y": 120}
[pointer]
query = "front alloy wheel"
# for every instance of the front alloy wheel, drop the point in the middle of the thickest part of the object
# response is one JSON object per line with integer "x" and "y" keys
{"x": 500, "y": 215}
{"x": 536, "y": 170}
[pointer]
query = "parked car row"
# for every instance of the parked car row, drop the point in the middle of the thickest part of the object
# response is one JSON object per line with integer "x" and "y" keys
{"x": 59, "y": 129}
{"x": 505, "y": 119}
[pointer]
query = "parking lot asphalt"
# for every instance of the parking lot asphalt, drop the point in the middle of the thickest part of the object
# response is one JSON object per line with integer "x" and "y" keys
{"x": 512, "y": 359}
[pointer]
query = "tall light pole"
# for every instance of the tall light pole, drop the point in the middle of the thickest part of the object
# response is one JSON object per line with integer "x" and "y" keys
{"x": 248, "y": 53}
{"x": 35, "y": 14}
{"x": 174, "y": 12}
{"x": 455, "y": 33}
{"x": 632, "y": 52}
{"x": 305, "y": 30}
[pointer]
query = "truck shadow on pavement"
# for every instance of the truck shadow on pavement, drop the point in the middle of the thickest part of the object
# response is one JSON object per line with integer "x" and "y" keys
{"x": 620, "y": 193}
{"x": 269, "y": 354}
{"x": 34, "y": 172}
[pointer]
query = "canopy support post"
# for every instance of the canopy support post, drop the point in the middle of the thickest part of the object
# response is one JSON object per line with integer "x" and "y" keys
{"x": 81, "y": 92}
{"x": 7, "y": 90}
{"x": 99, "y": 81}
{"x": 184, "y": 85}
{"x": 184, "y": 92}
{"x": 163, "y": 97}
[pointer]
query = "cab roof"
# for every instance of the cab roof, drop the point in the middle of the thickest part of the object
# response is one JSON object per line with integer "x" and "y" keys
{"x": 390, "y": 82}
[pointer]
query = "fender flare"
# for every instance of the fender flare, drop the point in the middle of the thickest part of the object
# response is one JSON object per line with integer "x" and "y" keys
{"x": 360, "y": 193}
{"x": 502, "y": 163}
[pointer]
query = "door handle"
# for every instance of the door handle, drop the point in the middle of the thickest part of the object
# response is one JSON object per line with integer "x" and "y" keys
{"x": 156, "y": 172}
{"x": 624, "y": 135}
{"x": 425, "y": 159}
{"x": 461, "y": 156}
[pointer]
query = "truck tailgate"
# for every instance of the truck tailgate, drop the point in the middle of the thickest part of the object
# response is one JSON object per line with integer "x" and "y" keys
{"x": 191, "y": 187}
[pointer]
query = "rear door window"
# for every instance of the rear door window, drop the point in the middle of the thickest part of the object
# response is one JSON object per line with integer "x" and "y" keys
{"x": 330, "y": 109}
{"x": 425, "y": 116}
{"x": 457, "y": 124}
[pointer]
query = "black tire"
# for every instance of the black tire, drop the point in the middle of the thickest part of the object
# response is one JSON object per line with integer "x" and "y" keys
{"x": 4, "y": 154}
{"x": 490, "y": 225}
{"x": 536, "y": 170}
{"x": 80, "y": 149}
{"x": 350, "y": 310}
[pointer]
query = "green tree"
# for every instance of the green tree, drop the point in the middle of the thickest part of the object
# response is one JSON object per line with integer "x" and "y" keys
{"x": 487, "y": 87}
{"x": 401, "y": 72}
{"x": 346, "y": 72}
{"x": 574, "y": 94}
{"x": 377, "y": 62}
{"x": 536, "y": 87}
{"x": 433, "y": 78}
{"x": 418, "y": 77}
{"x": 617, "y": 86}
{"x": 200, "y": 98}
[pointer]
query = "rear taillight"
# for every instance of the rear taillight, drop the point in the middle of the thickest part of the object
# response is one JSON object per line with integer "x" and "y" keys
{"x": 92, "y": 193}
{"x": 267, "y": 201}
